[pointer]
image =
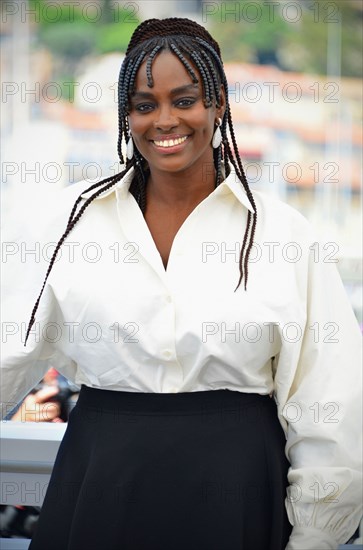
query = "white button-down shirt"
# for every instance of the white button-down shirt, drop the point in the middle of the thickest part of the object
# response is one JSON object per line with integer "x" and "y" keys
{"x": 113, "y": 317}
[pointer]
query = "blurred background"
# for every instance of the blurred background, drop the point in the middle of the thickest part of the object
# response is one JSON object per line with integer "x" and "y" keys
{"x": 295, "y": 75}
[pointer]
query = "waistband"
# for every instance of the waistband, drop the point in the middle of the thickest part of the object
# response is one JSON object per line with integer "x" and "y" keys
{"x": 169, "y": 403}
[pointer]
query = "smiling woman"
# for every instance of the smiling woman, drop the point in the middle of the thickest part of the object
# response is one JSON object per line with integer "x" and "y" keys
{"x": 212, "y": 414}
{"x": 173, "y": 130}
{"x": 173, "y": 119}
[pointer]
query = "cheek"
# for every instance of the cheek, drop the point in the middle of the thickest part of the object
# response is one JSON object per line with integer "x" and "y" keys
{"x": 205, "y": 123}
{"x": 136, "y": 125}
{"x": 138, "y": 129}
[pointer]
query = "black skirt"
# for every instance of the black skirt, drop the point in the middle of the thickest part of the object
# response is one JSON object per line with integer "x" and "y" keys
{"x": 189, "y": 471}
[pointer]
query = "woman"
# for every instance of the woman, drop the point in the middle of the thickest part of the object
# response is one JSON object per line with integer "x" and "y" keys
{"x": 181, "y": 331}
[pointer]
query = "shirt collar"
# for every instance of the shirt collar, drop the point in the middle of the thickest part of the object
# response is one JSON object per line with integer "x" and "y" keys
{"x": 230, "y": 184}
{"x": 233, "y": 184}
{"x": 122, "y": 184}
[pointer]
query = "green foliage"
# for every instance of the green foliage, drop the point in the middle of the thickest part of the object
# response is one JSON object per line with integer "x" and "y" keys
{"x": 68, "y": 85}
{"x": 70, "y": 32}
{"x": 299, "y": 43}
{"x": 48, "y": 14}
{"x": 115, "y": 37}
{"x": 70, "y": 40}
{"x": 332, "y": 25}
{"x": 246, "y": 31}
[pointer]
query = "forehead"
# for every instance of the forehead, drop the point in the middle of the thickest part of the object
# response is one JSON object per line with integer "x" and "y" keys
{"x": 167, "y": 70}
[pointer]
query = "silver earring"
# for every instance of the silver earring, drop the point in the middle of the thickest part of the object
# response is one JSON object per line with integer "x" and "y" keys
{"x": 217, "y": 136}
{"x": 130, "y": 147}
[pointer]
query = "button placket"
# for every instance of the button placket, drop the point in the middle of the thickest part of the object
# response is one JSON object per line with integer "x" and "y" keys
{"x": 167, "y": 354}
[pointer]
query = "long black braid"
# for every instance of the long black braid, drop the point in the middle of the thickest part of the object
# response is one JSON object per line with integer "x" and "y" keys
{"x": 200, "y": 54}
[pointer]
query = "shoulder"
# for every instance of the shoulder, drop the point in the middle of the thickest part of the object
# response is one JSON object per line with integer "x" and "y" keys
{"x": 70, "y": 193}
{"x": 66, "y": 198}
{"x": 272, "y": 206}
{"x": 279, "y": 218}
{"x": 61, "y": 204}
{"x": 45, "y": 217}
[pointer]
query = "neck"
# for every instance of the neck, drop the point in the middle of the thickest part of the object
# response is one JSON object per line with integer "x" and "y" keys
{"x": 187, "y": 188}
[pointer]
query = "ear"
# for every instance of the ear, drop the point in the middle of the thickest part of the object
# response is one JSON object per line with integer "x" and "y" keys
{"x": 222, "y": 102}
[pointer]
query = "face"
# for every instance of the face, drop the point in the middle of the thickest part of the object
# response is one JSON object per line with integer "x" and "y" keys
{"x": 169, "y": 124}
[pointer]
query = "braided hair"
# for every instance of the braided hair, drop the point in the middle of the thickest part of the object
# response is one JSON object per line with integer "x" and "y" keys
{"x": 196, "y": 49}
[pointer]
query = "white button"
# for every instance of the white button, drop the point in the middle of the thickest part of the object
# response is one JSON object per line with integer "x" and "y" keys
{"x": 168, "y": 298}
{"x": 173, "y": 390}
{"x": 167, "y": 354}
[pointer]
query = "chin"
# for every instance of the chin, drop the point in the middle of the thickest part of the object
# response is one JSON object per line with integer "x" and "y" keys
{"x": 176, "y": 165}
{"x": 169, "y": 164}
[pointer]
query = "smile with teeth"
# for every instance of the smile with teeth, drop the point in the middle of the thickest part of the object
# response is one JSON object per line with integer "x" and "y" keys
{"x": 170, "y": 142}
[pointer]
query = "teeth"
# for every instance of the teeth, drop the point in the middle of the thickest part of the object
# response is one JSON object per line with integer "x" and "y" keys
{"x": 170, "y": 142}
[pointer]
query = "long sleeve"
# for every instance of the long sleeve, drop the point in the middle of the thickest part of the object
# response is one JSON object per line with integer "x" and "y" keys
{"x": 318, "y": 390}
{"x": 23, "y": 367}
{"x": 27, "y": 247}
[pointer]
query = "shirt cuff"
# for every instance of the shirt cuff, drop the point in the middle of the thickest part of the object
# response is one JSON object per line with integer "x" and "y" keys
{"x": 309, "y": 538}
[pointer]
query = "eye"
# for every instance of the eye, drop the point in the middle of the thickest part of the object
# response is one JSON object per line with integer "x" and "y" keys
{"x": 143, "y": 107}
{"x": 185, "y": 102}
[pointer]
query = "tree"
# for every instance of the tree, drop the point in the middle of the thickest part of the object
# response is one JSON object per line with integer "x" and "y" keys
{"x": 72, "y": 32}
{"x": 290, "y": 34}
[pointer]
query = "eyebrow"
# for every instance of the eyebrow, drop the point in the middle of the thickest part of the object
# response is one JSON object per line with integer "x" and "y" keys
{"x": 174, "y": 91}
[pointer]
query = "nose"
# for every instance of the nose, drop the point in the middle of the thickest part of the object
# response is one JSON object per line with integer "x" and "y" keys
{"x": 165, "y": 119}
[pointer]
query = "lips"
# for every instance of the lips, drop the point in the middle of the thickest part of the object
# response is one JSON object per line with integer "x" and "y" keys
{"x": 170, "y": 142}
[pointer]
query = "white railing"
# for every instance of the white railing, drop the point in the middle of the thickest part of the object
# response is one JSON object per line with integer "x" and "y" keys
{"x": 27, "y": 454}
{"x": 14, "y": 544}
